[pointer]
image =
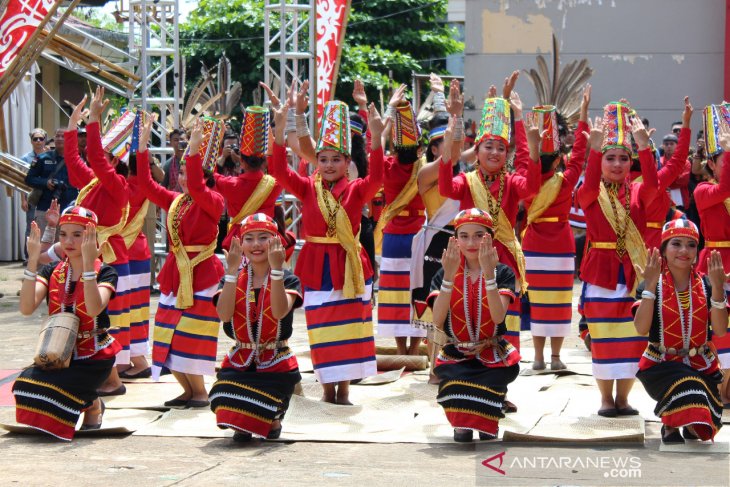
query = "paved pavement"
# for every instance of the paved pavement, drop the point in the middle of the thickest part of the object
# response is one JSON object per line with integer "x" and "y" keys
{"x": 142, "y": 461}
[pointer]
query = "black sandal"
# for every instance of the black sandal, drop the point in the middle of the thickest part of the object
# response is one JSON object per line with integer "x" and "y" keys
{"x": 688, "y": 434}
{"x": 463, "y": 435}
{"x": 673, "y": 438}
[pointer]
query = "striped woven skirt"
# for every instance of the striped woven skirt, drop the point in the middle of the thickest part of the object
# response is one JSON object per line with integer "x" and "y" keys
{"x": 394, "y": 288}
{"x": 249, "y": 400}
{"x": 723, "y": 343}
{"x": 52, "y": 400}
{"x": 119, "y": 315}
{"x": 139, "y": 307}
{"x": 472, "y": 395}
{"x": 550, "y": 293}
{"x": 684, "y": 397}
{"x": 615, "y": 346}
{"x": 513, "y": 322}
{"x": 186, "y": 340}
{"x": 340, "y": 332}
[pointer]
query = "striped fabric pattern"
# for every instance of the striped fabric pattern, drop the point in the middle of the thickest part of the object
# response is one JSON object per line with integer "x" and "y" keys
{"x": 394, "y": 294}
{"x": 340, "y": 334}
{"x": 551, "y": 293}
{"x": 513, "y": 322}
{"x": 259, "y": 411}
{"x": 723, "y": 343}
{"x": 186, "y": 340}
{"x": 119, "y": 315}
{"x": 139, "y": 307}
{"x": 615, "y": 346}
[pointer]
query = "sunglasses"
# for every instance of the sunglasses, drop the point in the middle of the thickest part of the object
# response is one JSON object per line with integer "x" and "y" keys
{"x": 676, "y": 131}
{"x": 39, "y": 139}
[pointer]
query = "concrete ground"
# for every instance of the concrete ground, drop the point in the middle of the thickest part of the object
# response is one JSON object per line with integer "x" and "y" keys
{"x": 166, "y": 461}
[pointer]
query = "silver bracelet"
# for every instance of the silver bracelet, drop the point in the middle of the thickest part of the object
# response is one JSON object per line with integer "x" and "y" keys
{"x": 447, "y": 283}
{"x": 88, "y": 276}
{"x": 491, "y": 287}
{"x": 301, "y": 124}
{"x": 648, "y": 295}
{"x": 29, "y": 276}
{"x": 446, "y": 289}
{"x": 390, "y": 112}
{"x": 719, "y": 304}
{"x": 276, "y": 277}
{"x": 230, "y": 278}
{"x": 439, "y": 102}
{"x": 459, "y": 129}
{"x": 291, "y": 125}
{"x": 276, "y": 272}
{"x": 491, "y": 282}
{"x": 49, "y": 235}
{"x": 51, "y": 252}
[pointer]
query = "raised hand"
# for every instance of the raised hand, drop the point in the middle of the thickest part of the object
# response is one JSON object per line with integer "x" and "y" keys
{"x": 687, "y": 113}
{"x": 650, "y": 274}
{"x": 196, "y": 137}
{"x": 641, "y": 135}
{"x": 437, "y": 84}
{"x": 53, "y": 214}
{"x": 585, "y": 103}
{"x": 234, "y": 257}
{"x": 450, "y": 259}
{"x": 277, "y": 254}
{"x": 509, "y": 84}
{"x": 534, "y": 136}
{"x": 33, "y": 243}
{"x": 488, "y": 258}
{"x": 595, "y": 137}
{"x": 375, "y": 122}
{"x": 398, "y": 96}
{"x": 280, "y": 122}
{"x": 270, "y": 93}
{"x": 98, "y": 105}
{"x": 455, "y": 101}
{"x": 492, "y": 92}
{"x": 516, "y": 104}
{"x": 89, "y": 247}
{"x": 77, "y": 115}
{"x": 448, "y": 139}
{"x": 144, "y": 133}
{"x": 359, "y": 95}
{"x": 716, "y": 271}
{"x": 302, "y": 98}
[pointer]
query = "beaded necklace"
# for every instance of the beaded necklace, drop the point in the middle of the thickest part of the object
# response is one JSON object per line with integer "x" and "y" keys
{"x": 251, "y": 301}
{"x": 473, "y": 329}
{"x": 331, "y": 213}
{"x": 621, "y": 226}
{"x": 494, "y": 206}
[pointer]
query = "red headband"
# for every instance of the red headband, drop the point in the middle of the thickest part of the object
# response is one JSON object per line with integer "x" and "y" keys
{"x": 680, "y": 228}
{"x": 258, "y": 222}
{"x": 78, "y": 215}
{"x": 476, "y": 216}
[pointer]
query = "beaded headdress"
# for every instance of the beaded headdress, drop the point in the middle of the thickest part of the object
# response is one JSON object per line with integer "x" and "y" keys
{"x": 334, "y": 133}
{"x": 496, "y": 121}
{"x": 255, "y": 131}
{"x": 546, "y": 118}
{"x": 713, "y": 116}
{"x": 116, "y": 141}
{"x": 405, "y": 131}
{"x": 617, "y": 127}
{"x": 212, "y": 144}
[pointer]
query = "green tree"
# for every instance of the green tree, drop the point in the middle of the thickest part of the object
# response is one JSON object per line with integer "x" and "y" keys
{"x": 382, "y": 36}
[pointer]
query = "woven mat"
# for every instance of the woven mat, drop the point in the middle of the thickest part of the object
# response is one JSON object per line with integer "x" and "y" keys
{"x": 573, "y": 368}
{"x": 116, "y": 422}
{"x": 593, "y": 429}
{"x": 145, "y": 395}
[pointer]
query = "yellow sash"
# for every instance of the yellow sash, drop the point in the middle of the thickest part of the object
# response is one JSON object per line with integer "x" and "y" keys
{"x": 185, "y": 265}
{"x": 545, "y": 197}
{"x": 391, "y": 210}
{"x": 504, "y": 232}
{"x": 103, "y": 233}
{"x": 257, "y": 198}
{"x": 354, "y": 275}
{"x": 633, "y": 241}
{"x": 134, "y": 226}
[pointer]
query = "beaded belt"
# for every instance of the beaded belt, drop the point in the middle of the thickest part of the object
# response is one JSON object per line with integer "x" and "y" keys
{"x": 717, "y": 244}
{"x": 681, "y": 352}
{"x": 88, "y": 334}
{"x": 412, "y": 213}
{"x": 658, "y": 225}
{"x": 603, "y": 245}
{"x": 195, "y": 248}
{"x": 492, "y": 342}
{"x": 263, "y": 346}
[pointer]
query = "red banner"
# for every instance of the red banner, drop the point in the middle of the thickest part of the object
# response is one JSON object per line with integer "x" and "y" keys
{"x": 331, "y": 23}
{"x": 17, "y": 25}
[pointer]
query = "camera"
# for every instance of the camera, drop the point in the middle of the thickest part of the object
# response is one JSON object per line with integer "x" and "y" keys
{"x": 59, "y": 187}
{"x": 182, "y": 145}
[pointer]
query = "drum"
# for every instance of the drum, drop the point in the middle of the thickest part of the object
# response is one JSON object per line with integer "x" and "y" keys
{"x": 56, "y": 341}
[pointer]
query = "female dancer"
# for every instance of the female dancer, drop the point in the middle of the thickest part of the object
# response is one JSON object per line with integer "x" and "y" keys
{"x": 550, "y": 268}
{"x": 713, "y": 205}
{"x": 680, "y": 310}
{"x": 105, "y": 192}
{"x": 332, "y": 265}
{"x": 469, "y": 299}
{"x": 258, "y": 375}
{"x": 615, "y": 224}
{"x": 186, "y": 323}
{"x": 53, "y": 400}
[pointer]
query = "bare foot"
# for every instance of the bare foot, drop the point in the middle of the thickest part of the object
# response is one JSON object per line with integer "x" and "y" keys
{"x": 328, "y": 398}
{"x": 433, "y": 379}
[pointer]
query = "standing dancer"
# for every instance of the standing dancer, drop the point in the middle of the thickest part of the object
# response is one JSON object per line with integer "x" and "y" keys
{"x": 402, "y": 217}
{"x": 470, "y": 296}
{"x": 333, "y": 267}
{"x": 256, "y": 305}
{"x": 713, "y": 204}
{"x": 53, "y": 400}
{"x": 186, "y": 324}
{"x": 105, "y": 192}
{"x": 615, "y": 224}
{"x": 547, "y": 241}
{"x": 680, "y": 310}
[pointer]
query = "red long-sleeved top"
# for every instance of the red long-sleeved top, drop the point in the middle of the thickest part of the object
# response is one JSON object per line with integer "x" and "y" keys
{"x": 714, "y": 217}
{"x": 397, "y": 175}
{"x": 516, "y": 188}
{"x": 140, "y": 249}
{"x": 599, "y": 265}
{"x": 657, "y": 208}
{"x": 352, "y": 196}
{"x": 237, "y": 190}
{"x": 108, "y": 198}
{"x": 556, "y": 237}
{"x": 199, "y": 225}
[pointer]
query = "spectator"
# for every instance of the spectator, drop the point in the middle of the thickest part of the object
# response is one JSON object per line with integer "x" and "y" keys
{"x": 48, "y": 173}
{"x": 678, "y": 190}
{"x": 38, "y": 141}
{"x": 82, "y": 143}
{"x": 178, "y": 142}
